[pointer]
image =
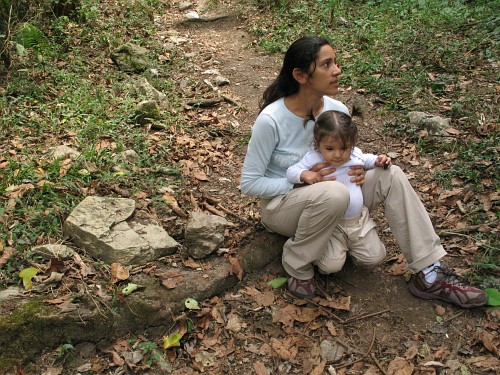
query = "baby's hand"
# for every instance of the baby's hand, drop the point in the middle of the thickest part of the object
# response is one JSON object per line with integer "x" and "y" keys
{"x": 383, "y": 161}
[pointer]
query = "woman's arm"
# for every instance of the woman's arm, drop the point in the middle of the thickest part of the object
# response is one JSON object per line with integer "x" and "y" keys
{"x": 258, "y": 157}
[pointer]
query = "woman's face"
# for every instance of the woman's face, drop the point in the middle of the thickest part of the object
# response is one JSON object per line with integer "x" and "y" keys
{"x": 324, "y": 78}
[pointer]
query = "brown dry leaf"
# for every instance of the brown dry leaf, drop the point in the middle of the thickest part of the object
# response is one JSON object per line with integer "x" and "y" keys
{"x": 331, "y": 328}
{"x": 106, "y": 144}
{"x": 200, "y": 175}
{"x": 486, "y": 362}
{"x": 486, "y": 201}
{"x": 119, "y": 273}
{"x": 66, "y": 165}
{"x": 19, "y": 190}
{"x": 236, "y": 268}
{"x": 319, "y": 369}
{"x": 265, "y": 299}
{"x": 450, "y": 197}
{"x": 171, "y": 278}
{"x": 260, "y": 369}
{"x": 491, "y": 341}
{"x": 117, "y": 360}
{"x": 185, "y": 140}
{"x": 339, "y": 303}
{"x": 4, "y": 164}
{"x": 400, "y": 366}
{"x": 234, "y": 323}
{"x": 43, "y": 183}
{"x": 307, "y": 314}
{"x": 250, "y": 291}
{"x": 400, "y": 267}
{"x": 285, "y": 348}
{"x": 120, "y": 345}
{"x": 84, "y": 269}
{"x": 411, "y": 352}
{"x": 191, "y": 263}
{"x": 141, "y": 195}
{"x": 453, "y": 131}
{"x": 286, "y": 316}
{"x": 211, "y": 338}
{"x": 172, "y": 202}
{"x": 6, "y": 254}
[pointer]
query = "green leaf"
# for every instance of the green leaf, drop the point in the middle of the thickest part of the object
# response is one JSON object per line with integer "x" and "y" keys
{"x": 191, "y": 304}
{"x": 493, "y": 296}
{"x": 172, "y": 340}
{"x": 277, "y": 283}
{"x": 131, "y": 287}
{"x": 27, "y": 274}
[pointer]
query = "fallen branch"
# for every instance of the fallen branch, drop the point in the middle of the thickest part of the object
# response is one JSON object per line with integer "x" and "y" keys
{"x": 233, "y": 214}
{"x": 213, "y": 210}
{"x": 469, "y": 229}
{"x": 204, "y": 103}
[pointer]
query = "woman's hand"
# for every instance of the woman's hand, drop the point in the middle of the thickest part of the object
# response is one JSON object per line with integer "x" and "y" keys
{"x": 317, "y": 174}
{"x": 359, "y": 174}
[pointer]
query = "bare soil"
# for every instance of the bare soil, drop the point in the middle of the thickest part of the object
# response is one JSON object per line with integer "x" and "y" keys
{"x": 254, "y": 329}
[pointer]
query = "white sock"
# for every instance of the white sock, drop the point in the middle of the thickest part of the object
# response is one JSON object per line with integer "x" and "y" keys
{"x": 430, "y": 273}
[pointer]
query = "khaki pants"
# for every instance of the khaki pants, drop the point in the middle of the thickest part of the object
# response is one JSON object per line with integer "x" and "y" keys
{"x": 309, "y": 216}
{"x": 359, "y": 238}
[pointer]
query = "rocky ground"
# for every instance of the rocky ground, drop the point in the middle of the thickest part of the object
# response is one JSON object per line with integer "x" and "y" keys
{"x": 362, "y": 322}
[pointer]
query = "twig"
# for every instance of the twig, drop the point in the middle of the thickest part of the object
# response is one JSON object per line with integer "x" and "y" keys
{"x": 469, "y": 229}
{"x": 233, "y": 214}
{"x": 454, "y": 316}
{"x": 348, "y": 321}
{"x": 213, "y": 210}
{"x": 378, "y": 364}
{"x": 229, "y": 100}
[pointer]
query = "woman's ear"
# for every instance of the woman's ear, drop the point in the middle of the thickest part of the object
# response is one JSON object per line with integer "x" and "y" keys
{"x": 300, "y": 76}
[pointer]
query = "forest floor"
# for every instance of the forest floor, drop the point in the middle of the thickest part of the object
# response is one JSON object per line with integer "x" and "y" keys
{"x": 366, "y": 315}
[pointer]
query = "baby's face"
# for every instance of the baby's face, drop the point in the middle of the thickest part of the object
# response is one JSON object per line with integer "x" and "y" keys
{"x": 334, "y": 151}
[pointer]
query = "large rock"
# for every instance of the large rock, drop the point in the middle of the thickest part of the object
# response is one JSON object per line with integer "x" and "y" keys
{"x": 104, "y": 227}
{"x": 204, "y": 234}
{"x": 434, "y": 125}
{"x": 130, "y": 57}
{"x": 147, "y": 91}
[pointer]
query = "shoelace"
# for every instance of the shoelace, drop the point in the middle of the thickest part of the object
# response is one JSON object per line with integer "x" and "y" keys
{"x": 448, "y": 276}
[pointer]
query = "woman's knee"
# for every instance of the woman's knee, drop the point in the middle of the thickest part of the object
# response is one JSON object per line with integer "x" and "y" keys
{"x": 374, "y": 257}
{"x": 334, "y": 194}
{"x": 330, "y": 266}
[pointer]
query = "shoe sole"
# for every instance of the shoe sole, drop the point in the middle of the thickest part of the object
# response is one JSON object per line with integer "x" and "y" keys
{"x": 420, "y": 294}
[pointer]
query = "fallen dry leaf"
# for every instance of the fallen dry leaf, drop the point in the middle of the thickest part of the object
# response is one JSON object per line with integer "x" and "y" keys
{"x": 236, "y": 268}
{"x": 400, "y": 366}
{"x": 171, "y": 278}
{"x": 119, "y": 273}
{"x": 260, "y": 368}
{"x": 6, "y": 254}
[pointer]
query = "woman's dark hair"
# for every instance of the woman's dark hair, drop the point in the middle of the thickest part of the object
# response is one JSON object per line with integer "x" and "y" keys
{"x": 338, "y": 125}
{"x": 301, "y": 54}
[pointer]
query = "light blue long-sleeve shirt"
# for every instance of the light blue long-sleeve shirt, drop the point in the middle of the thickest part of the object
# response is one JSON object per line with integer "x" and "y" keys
{"x": 279, "y": 139}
